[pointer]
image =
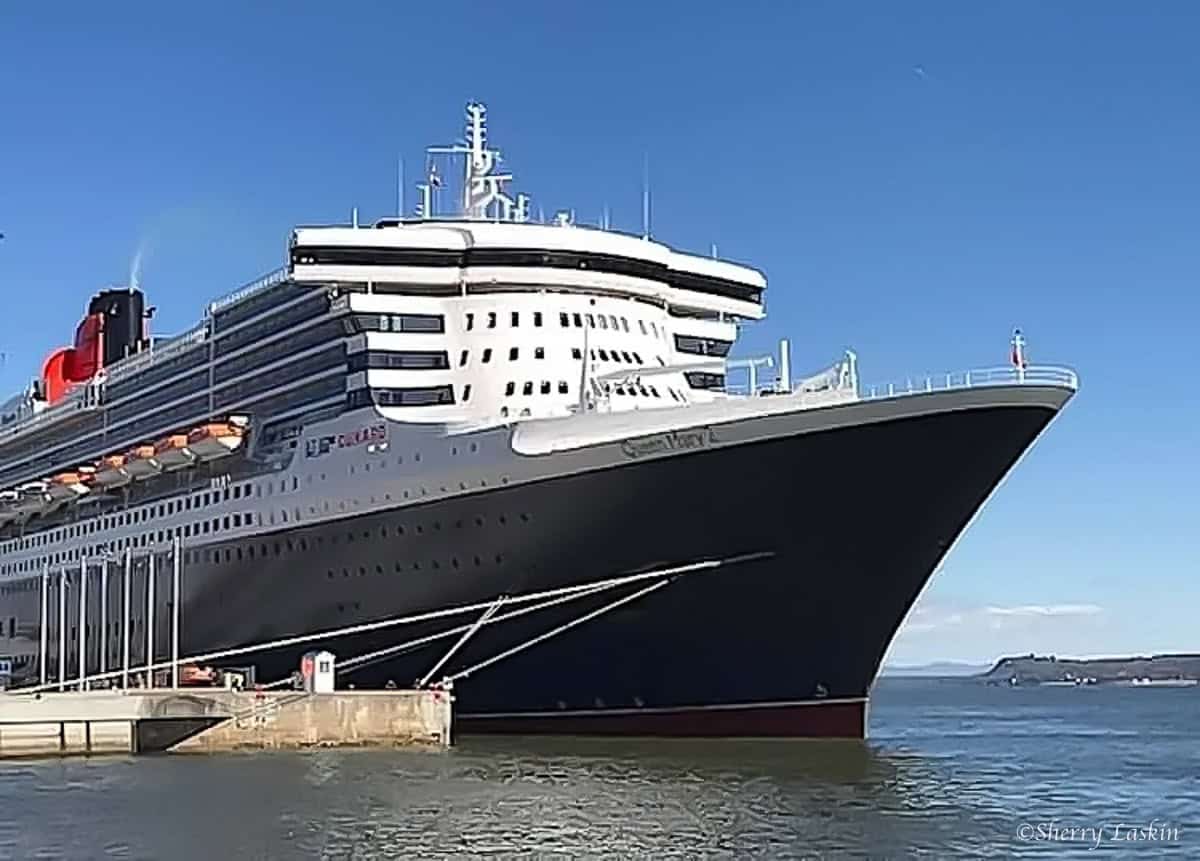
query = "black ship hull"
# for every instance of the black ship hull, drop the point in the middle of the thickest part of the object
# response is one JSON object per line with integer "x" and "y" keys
{"x": 832, "y": 535}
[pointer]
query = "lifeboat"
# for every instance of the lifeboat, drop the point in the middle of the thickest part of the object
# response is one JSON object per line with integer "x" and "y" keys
{"x": 173, "y": 453}
{"x": 31, "y": 499}
{"x": 215, "y": 440}
{"x": 141, "y": 463}
{"x": 68, "y": 486}
{"x": 111, "y": 471}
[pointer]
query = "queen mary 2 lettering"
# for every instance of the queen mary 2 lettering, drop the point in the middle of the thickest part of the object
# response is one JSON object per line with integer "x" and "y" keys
{"x": 538, "y": 421}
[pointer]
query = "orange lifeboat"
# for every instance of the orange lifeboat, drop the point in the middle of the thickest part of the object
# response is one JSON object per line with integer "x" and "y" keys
{"x": 68, "y": 485}
{"x": 111, "y": 472}
{"x": 173, "y": 453}
{"x": 141, "y": 463}
{"x": 215, "y": 440}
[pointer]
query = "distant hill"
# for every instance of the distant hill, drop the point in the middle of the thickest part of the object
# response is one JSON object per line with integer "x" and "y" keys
{"x": 939, "y": 669}
{"x": 1048, "y": 668}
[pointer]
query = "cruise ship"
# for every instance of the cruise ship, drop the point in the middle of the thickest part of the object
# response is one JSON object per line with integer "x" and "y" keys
{"x": 469, "y": 407}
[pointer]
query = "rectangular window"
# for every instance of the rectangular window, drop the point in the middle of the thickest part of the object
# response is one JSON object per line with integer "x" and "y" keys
{"x": 563, "y": 319}
{"x": 537, "y": 318}
{"x": 516, "y": 318}
{"x": 513, "y": 352}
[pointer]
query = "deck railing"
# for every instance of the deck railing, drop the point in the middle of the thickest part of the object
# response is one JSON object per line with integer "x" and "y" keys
{"x": 1033, "y": 375}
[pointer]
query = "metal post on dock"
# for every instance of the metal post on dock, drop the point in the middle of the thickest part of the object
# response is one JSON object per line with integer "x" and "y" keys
{"x": 128, "y": 573}
{"x": 104, "y": 615}
{"x": 44, "y": 633}
{"x": 175, "y": 576}
{"x": 150, "y": 620}
{"x": 82, "y": 624}
{"x": 62, "y": 629}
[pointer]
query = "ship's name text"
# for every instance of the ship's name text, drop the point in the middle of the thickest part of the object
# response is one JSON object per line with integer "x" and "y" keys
{"x": 672, "y": 441}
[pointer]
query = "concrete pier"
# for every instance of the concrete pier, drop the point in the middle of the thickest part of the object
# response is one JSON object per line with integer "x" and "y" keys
{"x": 210, "y": 720}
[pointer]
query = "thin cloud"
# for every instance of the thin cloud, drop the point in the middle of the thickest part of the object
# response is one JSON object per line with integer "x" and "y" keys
{"x": 1035, "y": 610}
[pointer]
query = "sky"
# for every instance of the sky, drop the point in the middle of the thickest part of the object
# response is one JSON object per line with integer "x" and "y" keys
{"x": 915, "y": 179}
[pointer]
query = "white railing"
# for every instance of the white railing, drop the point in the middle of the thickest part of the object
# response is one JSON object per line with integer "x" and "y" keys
{"x": 157, "y": 352}
{"x": 1034, "y": 375}
{"x": 247, "y": 290}
{"x": 86, "y": 396}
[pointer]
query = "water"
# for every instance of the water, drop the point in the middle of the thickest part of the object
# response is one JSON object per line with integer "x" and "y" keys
{"x": 952, "y": 769}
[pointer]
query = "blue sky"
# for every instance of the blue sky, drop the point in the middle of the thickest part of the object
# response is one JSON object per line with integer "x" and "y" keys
{"x": 915, "y": 179}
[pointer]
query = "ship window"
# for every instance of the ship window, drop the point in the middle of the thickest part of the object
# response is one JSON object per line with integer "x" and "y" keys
{"x": 603, "y": 322}
{"x": 545, "y": 387}
{"x": 612, "y": 318}
{"x": 705, "y": 380}
{"x": 620, "y": 390}
{"x": 503, "y": 414}
{"x": 624, "y": 325}
{"x": 563, "y": 319}
{"x": 466, "y": 393}
{"x": 470, "y": 322}
{"x": 516, "y": 318}
{"x": 513, "y": 352}
{"x": 537, "y": 318}
{"x": 562, "y": 387}
{"x": 527, "y": 389}
{"x": 578, "y": 321}
{"x": 591, "y": 321}
{"x": 462, "y": 359}
{"x": 510, "y": 389}
{"x": 491, "y": 319}
{"x": 626, "y": 357}
{"x": 654, "y": 391}
{"x": 539, "y": 352}
{"x": 637, "y": 358}
{"x": 576, "y": 353}
{"x": 654, "y": 329}
{"x": 603, "y": 353}
{"x": 487, "y": 354}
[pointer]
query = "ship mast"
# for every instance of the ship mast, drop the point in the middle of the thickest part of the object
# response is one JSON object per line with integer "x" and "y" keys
{"x": 484, "y": 196}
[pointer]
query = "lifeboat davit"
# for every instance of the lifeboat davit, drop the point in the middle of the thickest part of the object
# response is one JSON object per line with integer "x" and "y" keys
{"x": 141, "y": 463}
{"x": 111, "y": 471}
{"x": 8, "y": 499}
{"x": 173, "y": 453}
{"x": 215, "y": 440}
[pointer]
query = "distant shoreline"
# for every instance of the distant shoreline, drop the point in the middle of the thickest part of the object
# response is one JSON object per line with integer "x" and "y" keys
{"x": 1167, "y": 670}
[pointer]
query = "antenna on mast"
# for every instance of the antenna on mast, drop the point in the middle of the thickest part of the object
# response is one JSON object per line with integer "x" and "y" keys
{"x": 646, "y": 196}
{"x": 400, "y": 186}
{"x": 605, "y": 218}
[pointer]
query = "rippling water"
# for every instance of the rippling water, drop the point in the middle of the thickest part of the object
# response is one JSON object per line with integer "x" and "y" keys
{"x": 952, "y": 769}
